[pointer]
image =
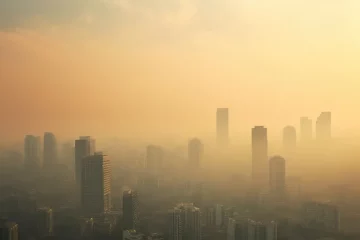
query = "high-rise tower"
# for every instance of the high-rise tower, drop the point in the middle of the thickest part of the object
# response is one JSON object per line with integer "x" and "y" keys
{"x": 323, "y": 127}
{"x": 185, "y": 222}
{"x": 260, "y": 163}
{"x": 277, "y": 177}
{"x": 32, "y": 151}
{"x": 50, "y": 149}
{"x": 222, "y": 126}
{"x": 96, "y": 184}
{"x": 130, "y": 210}
{"x": 84, "y": 147}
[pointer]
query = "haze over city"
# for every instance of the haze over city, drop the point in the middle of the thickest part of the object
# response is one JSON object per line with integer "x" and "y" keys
{"x": 179, "y": 120}
{"x": 172, "y": 62}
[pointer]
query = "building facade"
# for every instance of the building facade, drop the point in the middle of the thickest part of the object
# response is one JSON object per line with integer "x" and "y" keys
{"x": 96, "y": 184}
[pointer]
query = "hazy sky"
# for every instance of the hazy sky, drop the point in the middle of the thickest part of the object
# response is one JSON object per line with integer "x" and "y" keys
{"x": 138, "y": 67}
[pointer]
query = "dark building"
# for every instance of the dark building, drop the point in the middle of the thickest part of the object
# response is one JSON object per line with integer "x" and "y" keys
{"x": 260, "y": 163}
{"x": 323, "y": 127}
{"x": 96, "y": 184}
{"x": 50, "y": 150}
{"x": 154, "y": 158}
{"x": 84, "y": 147}
{"x": 130, "y": 210}
{"x": 32, "y": 151}
{"x": 195, "y": 152}
{"x": 305, "y": 129}
{"x": 44, "y": 220}
{"x": 277, "y": 176}
{"x": 8, "y": 230}
{"x": 222, "y": 126}
{"x": 289, "y": 139}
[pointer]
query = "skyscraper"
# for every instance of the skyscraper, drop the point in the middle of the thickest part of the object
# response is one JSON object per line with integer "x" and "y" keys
{"x": 32, "y": 151}
{"x": 260, "y": 163}
{"x": 96, "y": 184}
{"x": 8, "y": 230}
{"x": 84, "y": 147}
{"x": 154, "y": 158}
{"x": 195, "y": 152}
{"x": 50, "y": 149}
{"x": 305, "y": 129}
{"x": 222, "y": 126}
{"x": 323, "y": 127}
{"x": 189, "y": 226}
{"x": 277, "y": 176}
{"x": 289, "y": 139}
{"x": 175, "y": 224}
{"x": 130, "y": 210}
{"x": 44, "y": 220}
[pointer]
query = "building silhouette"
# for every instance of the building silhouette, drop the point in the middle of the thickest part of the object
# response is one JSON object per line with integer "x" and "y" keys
{"x": 130, "y": 210}
{"x": 305, "y": 129}
{"x": 322, "y": 216}
{"x": 222, "y": 126}
{"x": 96, "y": 184}
{"x": 260, "y": 163}
{"x": 195, "y": 152}
{"x": 175, "y": 224}
{"x": 154, "y": 158}
{"x": 323, "y": 127}
{"x": 185, "y": 222}
{"x": 44, "y": 220}
{"x": 50, "y": 151}
{"x": 84, "y": 147}
{"x": 32, "y": 151}
{"x": 277, "y": 177}
{"x": 289, "y": 139}
{"x": 8, "y": 230}
{"x": 252, "y": 230}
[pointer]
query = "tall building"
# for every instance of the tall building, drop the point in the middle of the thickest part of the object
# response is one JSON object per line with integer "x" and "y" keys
{"x": 96, "y": 184}
{"x": 8, "y": 230}
{"x": 44, "y": 220}
{"x": 252, "y": 230}
{"x": 219, "y": 215}
{"x": 84, "y": 147}
{"x": 260, "y": 163}
{"x": 305, "y": 129}
{"x": 277, "y": 176}
{"x": 186, "y": 223}
{"x": 321, "y": 216}
{"x": 175, "y": 224}
{"x": 289, "y": 139}
{"x": 154, "y": 158}
{"x": 222, "y": 126}
{"x": 130, "y": 210}
{"x": 50, "y": 153}
{"x": 323, "y": 127}
{"x": 32, "y": 151}
{"x": 195, "y": 152}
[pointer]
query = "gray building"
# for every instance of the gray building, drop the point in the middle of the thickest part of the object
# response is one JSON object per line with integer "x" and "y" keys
{"x": 130, "y": 210}
{"x": 50, "y": 151}
{"x": 260, "y": 165}
{"x": 32, "y": 151}
{"x": 96, "y": 184}
{"x": 222, "y": 126}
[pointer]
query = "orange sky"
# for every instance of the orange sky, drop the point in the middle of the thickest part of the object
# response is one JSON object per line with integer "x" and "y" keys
{"x": 158, "y": 67}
